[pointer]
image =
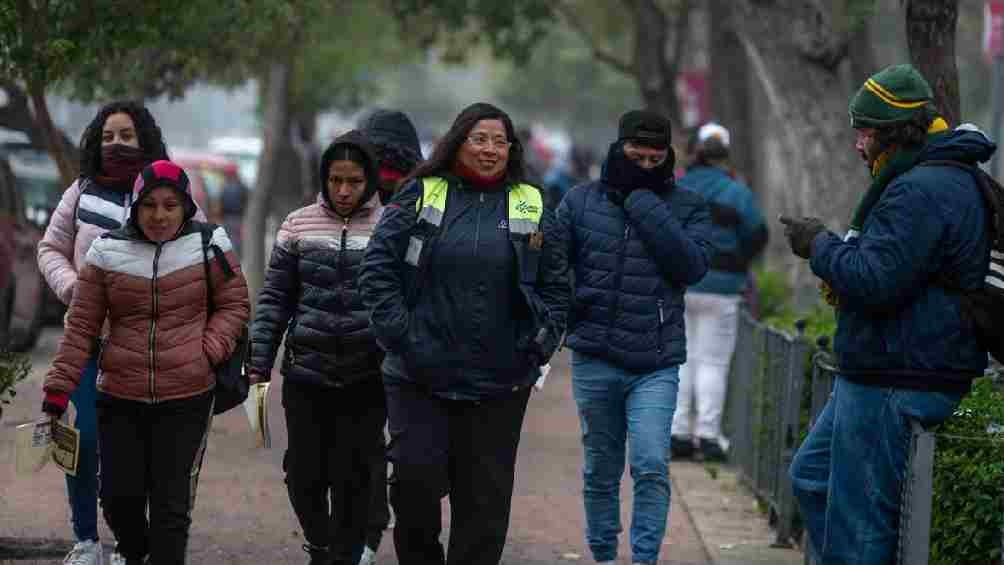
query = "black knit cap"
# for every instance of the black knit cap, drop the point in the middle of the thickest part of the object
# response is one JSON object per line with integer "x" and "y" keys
{"x": 394, "y": 138}
{"x": 644, "y": 127}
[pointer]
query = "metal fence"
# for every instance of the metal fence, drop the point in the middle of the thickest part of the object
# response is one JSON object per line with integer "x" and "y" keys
{"x": 776, "y": 390}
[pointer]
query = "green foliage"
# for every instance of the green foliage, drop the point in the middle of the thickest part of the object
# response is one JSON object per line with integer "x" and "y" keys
{"x": 777, "y": 311}
{"x": 969, "y": 481}
{"x": 13, "y": 369}
{"x": 511, "y": 29}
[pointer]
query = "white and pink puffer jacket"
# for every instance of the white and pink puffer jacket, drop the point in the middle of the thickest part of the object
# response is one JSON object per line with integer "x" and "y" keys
{"x": 86, "y": 211}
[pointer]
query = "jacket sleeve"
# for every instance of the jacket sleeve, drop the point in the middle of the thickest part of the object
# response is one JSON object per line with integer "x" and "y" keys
{"x": 752, "y": 230}
{"x": 230, "y": 296}
{"x": 55, "y": 251}
{"x": 276, "y": 301}
{"x": 552, "y": 285}
{"x": 682, "y": 249}
{"x": 382, "y": 279}
{"x": 892, "y": 257}
{"x": 84, "y": 321}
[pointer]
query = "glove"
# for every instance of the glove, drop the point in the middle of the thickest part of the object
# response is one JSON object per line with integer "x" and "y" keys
{"x": 55, "y": 403}
{"x": 618, "y": 195}
{"x": 800, "y": 234}
{"x": 536, "y": 348}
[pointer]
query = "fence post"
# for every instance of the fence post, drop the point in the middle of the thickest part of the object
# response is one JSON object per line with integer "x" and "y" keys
{"x": 915, "y": 508}
{"x": 788, "y": 434}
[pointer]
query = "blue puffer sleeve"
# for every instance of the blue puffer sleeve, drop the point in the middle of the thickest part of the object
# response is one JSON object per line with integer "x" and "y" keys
{"x": 682, "y": 249}
{"x": 381, "y": 278}
{"x": 276, "y": 301}
{"x": 896, "y": 252}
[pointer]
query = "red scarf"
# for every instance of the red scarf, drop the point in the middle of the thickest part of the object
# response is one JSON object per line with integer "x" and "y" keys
{"x": 120, "y": 165}
{"x": 476, "y": 179}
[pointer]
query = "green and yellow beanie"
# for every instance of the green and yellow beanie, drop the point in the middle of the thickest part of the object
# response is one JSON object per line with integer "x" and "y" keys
{"x": 891, "y": 96}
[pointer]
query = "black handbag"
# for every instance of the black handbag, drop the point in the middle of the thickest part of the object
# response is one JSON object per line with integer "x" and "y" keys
{"x": 232, "y": 383}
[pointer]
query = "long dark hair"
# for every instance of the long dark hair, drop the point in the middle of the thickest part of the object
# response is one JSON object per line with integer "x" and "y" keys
{"x": 445, "y": 153}
{"x": 151, "y": 140}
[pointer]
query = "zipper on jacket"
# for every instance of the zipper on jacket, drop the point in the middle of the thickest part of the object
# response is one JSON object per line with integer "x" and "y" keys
{"x": 617, "y": 280}
{"x": 153, "y": 322}
{"x": 477, "y": 224}
{"x": 662, "y": 322}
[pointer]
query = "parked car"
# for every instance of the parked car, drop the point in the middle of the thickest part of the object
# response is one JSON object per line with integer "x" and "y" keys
{"x": 22, "y": 288}
{"x": 40, "y": 186}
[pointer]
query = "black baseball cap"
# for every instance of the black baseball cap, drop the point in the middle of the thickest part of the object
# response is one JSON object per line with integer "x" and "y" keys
{"x": 645, "y": 128}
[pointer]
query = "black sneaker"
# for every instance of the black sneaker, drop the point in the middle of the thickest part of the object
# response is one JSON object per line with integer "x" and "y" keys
{"x": 711, "y": 451}
{"x": 681, "y": 447}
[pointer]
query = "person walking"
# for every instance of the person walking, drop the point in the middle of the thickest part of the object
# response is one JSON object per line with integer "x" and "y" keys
{"x": 395, "y": 141}
{"x": 155, "y": 372}
{"x": 635, "y": 241}
{"x": 738, "y": 235}
{"x": 331, "y": 393}
{"x": 468, "y": 293}
{"x": 120, "y": 140}
{"x": 904, "y": 348}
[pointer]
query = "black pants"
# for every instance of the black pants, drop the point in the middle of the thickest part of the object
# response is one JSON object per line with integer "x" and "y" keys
{"x": 333, "y": 435}
{"x": 465, "y": 448}
{"x": 379, "y": 510}
{"x": 150, "y": 456}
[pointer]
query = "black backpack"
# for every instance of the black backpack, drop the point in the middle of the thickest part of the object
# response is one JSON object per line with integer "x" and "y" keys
{"x": 984, "y": 307}
{"x": 232, "y": 383}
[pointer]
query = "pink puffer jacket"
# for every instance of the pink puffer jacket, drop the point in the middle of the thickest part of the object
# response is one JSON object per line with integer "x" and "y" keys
{"x": 86, "y": 211}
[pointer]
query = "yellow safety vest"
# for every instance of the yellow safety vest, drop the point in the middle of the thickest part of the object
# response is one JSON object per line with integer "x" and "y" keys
{"x": 526, "y": 205}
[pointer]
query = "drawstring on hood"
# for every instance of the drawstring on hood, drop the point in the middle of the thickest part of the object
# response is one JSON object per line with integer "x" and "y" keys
{"x": 351, "y": 146}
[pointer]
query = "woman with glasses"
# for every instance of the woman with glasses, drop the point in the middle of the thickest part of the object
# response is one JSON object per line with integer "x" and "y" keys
{"x": 468, "y": 294}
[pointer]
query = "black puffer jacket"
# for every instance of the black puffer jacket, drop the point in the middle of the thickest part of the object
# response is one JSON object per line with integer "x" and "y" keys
{"x": 311, "y": 291}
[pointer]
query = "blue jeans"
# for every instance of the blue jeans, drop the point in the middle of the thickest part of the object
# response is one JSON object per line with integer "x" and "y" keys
{"x": 617, "y": 406}
{"x": 82, "y": 490}
{"x": 848, "y": 474}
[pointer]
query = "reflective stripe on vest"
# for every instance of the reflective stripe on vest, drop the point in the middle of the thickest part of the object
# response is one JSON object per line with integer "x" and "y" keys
{"x": 526, "y": 206}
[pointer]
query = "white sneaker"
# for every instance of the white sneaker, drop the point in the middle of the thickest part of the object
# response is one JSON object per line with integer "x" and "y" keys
{"x": 368, "y": 557}
{"x": 116, "y": 558}
{"x": 85, "y": 553}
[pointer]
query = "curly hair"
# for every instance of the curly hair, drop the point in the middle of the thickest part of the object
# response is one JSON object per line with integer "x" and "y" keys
{"x": 910, "y": 134}
{"x": 151, "y": 140}
{"x": 445, "y": 153}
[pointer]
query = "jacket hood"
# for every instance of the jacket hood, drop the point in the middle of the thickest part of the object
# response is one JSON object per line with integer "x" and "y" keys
{"x": 394, "y": 138}
{"x": 965, "y": 143}
{"x": 157, "y": 174}
{"x": 371, "y": 167}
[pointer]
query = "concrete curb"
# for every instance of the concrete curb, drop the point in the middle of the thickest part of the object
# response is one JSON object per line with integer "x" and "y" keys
{"x": 728, "y": 522}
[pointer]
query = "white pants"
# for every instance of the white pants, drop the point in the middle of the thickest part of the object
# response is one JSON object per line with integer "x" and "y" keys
{"x": 712, "y": 321}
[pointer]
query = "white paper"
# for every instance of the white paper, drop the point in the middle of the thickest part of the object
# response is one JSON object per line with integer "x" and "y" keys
{"x": 256, "y": 408}
{"x": 544, "y": 370}
{"x": 32, "y": 446}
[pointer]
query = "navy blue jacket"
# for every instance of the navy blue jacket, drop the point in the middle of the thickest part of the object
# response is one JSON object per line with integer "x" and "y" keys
{"x": 896, "y": 326}
{"x": 739, "y": 233}
{"x": 460, "y": 326}
{"x": 632, "y": 265}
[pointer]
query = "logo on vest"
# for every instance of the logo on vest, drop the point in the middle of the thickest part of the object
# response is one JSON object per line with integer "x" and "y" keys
{"x": 523, "y": 207}
{"x": 503, "y": 224}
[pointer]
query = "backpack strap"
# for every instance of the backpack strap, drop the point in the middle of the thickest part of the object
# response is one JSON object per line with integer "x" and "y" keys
{"x": 206, "y": 231}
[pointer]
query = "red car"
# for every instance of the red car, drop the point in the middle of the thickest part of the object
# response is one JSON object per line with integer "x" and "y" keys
{"x": 22, "y": 288}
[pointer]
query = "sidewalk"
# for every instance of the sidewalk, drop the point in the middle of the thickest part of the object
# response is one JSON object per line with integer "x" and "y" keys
{"x": 242, "y": 515}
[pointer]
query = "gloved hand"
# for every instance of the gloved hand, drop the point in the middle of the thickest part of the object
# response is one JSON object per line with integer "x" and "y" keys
{"x": 800, "y": 233}
{"x": 536, "y": 346}
{"x": 55, "y": 403}
{"x": 618, "y": 195}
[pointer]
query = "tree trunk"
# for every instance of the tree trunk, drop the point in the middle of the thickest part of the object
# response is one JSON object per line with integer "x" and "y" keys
{"x": 16, "y": 114}
{"x": 930, "y": 34}
{"x": 809, "y": 166}
{"x": 655, "y": 74}
{"x": 274, "y": 89}
{"x": 51, "y": 136}
{"x": 303, "y": 138}
{"x": 731, "y": 102}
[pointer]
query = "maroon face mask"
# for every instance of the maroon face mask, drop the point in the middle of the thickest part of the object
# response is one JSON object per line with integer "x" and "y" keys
{"x": 120, "y": 165}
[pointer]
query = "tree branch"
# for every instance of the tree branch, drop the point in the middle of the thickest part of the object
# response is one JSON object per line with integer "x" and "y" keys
{"x": 605, "y": 56}
{"x": 680, "y": 34}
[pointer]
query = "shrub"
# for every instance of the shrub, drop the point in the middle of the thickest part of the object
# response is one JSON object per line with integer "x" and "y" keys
{"x": 13, "y": 369}
{"x": 969, "y": 481}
